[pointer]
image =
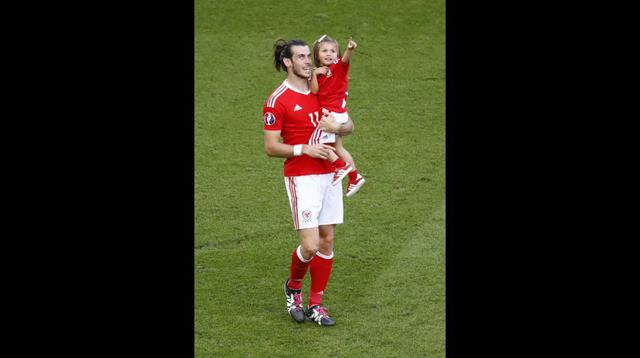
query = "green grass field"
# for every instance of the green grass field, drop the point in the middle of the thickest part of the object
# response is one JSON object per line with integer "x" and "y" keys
{"x": 387, "y": 291}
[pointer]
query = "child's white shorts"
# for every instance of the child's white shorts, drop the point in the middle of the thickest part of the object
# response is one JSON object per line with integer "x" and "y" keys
{"x": 320, "y": 136}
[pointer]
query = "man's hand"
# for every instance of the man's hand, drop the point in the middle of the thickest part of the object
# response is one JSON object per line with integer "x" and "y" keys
{"x": 328, "y": 122}
{"x": 318, "y": 150}
{"x": 351, "y": 44}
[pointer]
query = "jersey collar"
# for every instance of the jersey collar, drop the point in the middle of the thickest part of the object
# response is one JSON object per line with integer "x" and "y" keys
{"x": 293, "y": 89}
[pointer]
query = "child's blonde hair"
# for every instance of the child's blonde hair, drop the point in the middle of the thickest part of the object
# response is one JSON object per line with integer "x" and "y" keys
{"x": 316, "y": 48}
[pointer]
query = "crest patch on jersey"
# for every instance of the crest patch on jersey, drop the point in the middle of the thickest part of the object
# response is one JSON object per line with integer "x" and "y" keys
{"x": 269, "y": 119}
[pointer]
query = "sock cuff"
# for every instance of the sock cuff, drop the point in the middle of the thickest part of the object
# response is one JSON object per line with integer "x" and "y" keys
{"x": 326, "y": 257}
{"x": 299, "y": 253}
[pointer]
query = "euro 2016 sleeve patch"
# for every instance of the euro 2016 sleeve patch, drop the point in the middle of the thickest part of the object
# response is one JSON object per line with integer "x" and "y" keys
{"x": 269, "y": 119}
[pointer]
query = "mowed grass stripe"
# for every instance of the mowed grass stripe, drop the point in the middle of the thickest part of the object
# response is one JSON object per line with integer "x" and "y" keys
{"x": 409, "y": 296}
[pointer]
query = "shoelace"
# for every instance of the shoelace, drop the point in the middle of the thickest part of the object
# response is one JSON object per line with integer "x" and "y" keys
{"x": 297, "y": 299}
{"x": 322, "y": 311}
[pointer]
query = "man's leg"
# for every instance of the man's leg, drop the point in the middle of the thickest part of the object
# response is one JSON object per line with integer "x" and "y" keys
{"x": 300, "y": 260}
{"x": 320, "y": 268}
{"x": 303, "y": 255}
{"x": 322, "y": 265}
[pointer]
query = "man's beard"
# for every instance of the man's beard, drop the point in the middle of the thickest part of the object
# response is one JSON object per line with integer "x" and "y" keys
{"x": 301, "y": 74}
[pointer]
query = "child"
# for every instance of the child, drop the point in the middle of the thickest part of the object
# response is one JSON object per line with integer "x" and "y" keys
{"x": 330, "y": 82}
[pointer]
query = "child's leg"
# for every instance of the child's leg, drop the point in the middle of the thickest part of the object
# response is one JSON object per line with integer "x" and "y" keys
{"x": 332, "y": 156}
{"x": 341, "y": 168}
{"x": 344, "y": 154}
{"x": 334, "y": 159}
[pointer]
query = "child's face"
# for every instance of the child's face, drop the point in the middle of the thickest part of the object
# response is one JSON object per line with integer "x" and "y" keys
{"x": 327, "y": 53}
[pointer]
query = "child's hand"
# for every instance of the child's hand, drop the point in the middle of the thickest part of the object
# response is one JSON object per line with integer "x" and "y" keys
{"x": 321, "y": 70}
{"x": 351, "y": 45}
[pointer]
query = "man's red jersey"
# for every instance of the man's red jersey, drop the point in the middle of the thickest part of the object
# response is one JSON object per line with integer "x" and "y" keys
{"x": 296, "y": 114}
{"x": 333, "y": 86}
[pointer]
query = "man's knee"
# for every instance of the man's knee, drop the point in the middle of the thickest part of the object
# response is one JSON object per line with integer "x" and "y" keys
{"x": 326, "y": 238}
{"x": 310, "y": 242}
{"x": 309, "y": 249}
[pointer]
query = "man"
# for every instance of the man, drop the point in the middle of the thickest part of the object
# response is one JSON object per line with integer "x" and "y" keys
{"x": 293, "y": 112}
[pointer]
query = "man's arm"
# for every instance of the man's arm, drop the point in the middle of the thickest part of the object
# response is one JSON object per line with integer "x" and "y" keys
{"x": 329, "y": 124}
{"x": 274, "y": 148}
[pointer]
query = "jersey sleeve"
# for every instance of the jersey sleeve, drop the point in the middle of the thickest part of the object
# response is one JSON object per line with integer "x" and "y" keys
{"x": 345, "y": 66}
{"x": 272, "y": 118}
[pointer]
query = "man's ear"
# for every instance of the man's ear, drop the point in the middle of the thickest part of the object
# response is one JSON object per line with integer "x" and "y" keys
{"x": 287, "y": 62}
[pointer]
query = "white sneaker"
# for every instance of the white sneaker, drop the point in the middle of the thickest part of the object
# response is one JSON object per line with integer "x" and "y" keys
{"x": 355, "y": 185}
{"x": 340, "y": 173}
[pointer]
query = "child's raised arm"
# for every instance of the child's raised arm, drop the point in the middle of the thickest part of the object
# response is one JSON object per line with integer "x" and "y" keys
{"x": 351, "y": 45}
